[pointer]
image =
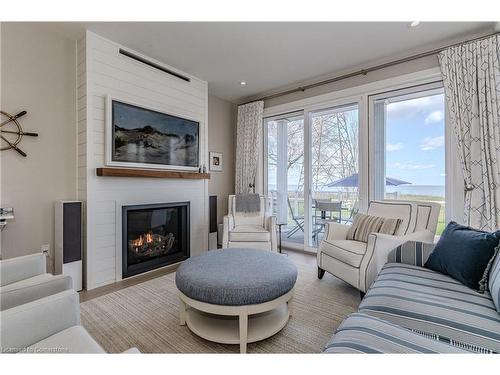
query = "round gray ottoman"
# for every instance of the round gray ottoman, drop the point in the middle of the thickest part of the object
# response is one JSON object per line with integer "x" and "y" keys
{"x": 236, "y": 296}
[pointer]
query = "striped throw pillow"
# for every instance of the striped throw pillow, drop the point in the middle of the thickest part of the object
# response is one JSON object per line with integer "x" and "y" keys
{"x": 494, "y": 281}
{"x": 363, "y": 225}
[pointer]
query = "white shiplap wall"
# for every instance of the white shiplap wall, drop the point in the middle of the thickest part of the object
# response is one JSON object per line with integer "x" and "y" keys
{"x": 82, "y": 119}
{"x": 81, "y": 137}
{"x": 103, "y": 71}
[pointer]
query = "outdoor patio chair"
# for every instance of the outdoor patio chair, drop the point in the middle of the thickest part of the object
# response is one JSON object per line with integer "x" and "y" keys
{"x": 299, "y": 221}
{"x": 327, "y": 209}
{"x": 352, "y": 212}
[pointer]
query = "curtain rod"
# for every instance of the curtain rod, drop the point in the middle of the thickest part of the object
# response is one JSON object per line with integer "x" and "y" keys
{"x": 370, "y": 69}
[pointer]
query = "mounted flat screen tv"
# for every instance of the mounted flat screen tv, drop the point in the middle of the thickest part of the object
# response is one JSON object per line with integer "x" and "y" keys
{"x": 146, "y": 138}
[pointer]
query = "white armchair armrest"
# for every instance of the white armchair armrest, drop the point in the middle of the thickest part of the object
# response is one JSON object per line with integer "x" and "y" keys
{"x": 228, "y": 222}
{"x": 335, "y": 231}
{"x": 271, "y": 227}
{"x": 421, "y": 236}
{"x": 32, "y": 322}
{"x": 20, "y": 268}
{"x": 26, "y": 291}
{"x": 378, "y": 249}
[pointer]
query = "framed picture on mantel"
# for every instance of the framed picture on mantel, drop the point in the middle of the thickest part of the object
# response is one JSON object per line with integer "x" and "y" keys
{"x": 215, "y": 161}
{"x": 142, "y": 137}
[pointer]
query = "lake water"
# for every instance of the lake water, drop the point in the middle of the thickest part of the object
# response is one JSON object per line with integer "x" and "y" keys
{"x": 430, "y": 190}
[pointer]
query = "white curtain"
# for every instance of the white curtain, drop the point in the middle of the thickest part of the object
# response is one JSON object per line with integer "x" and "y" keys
{"x": 248, "y": 146}
{"x": 471, "y": 76}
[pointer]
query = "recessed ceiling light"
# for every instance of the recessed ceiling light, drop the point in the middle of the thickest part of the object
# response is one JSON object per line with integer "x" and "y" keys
{"x": 415, "y": 23}
{"x": 243, "y": 83}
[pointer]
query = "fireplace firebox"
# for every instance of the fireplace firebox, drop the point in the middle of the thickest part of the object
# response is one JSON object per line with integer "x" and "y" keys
{"x": 154, "y": 235}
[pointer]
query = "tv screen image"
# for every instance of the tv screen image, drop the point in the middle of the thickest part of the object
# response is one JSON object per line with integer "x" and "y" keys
{"x": 144, "y": 136}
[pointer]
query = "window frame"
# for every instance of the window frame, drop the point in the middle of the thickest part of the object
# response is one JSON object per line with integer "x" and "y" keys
{"x": 361, "y": 93}
{"x": 266, "y": 145}
{"x": 452, "y": 178}
{"x": 377, "y": 163}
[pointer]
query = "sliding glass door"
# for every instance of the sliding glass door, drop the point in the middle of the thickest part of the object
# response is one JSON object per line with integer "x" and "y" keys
{"x": 312, "y": 171}
{"x": 334, "y": 167}
{"x": 285, "y": 173}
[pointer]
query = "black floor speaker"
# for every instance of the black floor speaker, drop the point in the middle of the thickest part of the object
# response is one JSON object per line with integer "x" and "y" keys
{"x": 212, "y": 225}
{"x": 68, "y": 240}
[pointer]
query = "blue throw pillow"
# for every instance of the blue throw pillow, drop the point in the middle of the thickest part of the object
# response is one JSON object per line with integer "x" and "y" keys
{"x": 463, "y": 253}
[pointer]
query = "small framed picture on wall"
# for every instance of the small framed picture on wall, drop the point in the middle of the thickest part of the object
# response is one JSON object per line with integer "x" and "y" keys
{"x": 215, "y": 161}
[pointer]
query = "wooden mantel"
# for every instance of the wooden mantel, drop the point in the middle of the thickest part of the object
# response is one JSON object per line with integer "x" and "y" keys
{"x": 152, "y": 173}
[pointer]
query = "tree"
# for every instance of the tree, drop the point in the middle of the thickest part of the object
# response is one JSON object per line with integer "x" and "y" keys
{"x": 334, "y": 147}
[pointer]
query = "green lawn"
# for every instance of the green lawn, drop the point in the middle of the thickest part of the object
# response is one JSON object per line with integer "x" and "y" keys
{"x": 429, "y": 198}
{"x": 426, "y": 198}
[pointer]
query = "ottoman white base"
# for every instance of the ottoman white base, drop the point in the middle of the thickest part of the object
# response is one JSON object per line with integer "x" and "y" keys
{"x": 236, "y": 324}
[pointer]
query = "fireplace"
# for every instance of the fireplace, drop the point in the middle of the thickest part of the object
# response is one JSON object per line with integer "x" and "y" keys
{"x": 154, "y": 235}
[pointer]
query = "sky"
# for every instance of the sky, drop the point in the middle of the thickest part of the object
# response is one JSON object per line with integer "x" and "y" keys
{"x": 415, "y": 140}
{"x": 414, "y": 143}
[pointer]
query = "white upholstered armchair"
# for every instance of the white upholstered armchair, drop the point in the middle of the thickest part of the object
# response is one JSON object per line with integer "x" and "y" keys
{"x": 246, "y": 230}
{"x": 47, "y": 325}
{"x": 358, "y": 263}
{"x": 25, "y": 279}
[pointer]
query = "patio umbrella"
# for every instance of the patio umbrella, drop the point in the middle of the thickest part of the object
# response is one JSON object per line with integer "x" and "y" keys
{"x": 353, "y": 181}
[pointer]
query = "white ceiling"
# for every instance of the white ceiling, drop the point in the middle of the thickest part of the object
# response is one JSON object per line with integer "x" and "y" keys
{"x": 272, "y": 55}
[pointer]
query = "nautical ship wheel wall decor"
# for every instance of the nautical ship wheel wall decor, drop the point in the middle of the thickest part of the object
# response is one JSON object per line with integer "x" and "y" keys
{"x": 11, "y": 132}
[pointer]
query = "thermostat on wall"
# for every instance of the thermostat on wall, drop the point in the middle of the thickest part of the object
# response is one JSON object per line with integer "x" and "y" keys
{"x": 6, "y": 213}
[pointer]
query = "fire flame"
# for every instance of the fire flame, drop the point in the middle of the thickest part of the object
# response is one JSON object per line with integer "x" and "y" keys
{"x": 143, "y": 238}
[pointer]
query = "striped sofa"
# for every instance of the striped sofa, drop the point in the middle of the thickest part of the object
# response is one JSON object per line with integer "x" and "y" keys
{"x": 412, "y": 309}
{"x": 362, "y": 333}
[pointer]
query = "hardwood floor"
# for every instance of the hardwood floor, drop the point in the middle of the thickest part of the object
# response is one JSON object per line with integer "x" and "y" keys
{"x": 87, "y": 295}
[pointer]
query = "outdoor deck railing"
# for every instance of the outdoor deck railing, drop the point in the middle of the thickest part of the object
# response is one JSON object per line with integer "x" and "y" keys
{"x": 349, "y": 201}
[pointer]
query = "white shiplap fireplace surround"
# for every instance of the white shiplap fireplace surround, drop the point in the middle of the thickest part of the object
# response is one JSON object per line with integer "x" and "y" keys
{"x": 103, "y": 71}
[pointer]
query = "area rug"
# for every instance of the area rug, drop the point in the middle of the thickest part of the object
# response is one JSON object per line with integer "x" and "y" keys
{"x": 146, "y": 316}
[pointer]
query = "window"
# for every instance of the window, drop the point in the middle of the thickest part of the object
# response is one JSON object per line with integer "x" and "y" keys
{"x": 409, "y": 146}
{"x": 328, "y": 158}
